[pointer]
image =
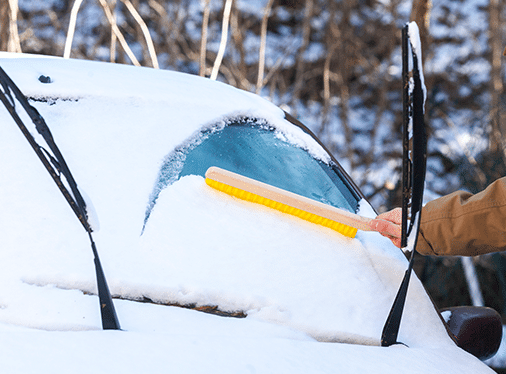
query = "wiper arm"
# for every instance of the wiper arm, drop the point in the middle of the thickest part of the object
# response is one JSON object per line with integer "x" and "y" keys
{"x": 57, "y": 167}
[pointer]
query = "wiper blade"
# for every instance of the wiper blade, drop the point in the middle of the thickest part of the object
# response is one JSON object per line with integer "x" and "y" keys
{"x": 57, "y": 167}
{"x": 413, "y": 169}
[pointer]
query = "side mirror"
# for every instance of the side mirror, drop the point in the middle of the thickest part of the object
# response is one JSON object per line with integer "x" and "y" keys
{"x": 478, "y": 330}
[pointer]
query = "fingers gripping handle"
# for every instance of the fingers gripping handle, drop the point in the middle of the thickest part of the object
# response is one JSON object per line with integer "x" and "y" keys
{"x": 386, "y": 228}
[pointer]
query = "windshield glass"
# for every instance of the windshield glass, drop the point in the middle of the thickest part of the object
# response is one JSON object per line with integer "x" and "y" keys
{"x": 256, "y": 150}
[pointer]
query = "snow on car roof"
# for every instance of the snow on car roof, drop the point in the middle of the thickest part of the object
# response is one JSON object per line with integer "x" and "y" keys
{"x": 114, "y": 125}
{"x": 74, "y": 79}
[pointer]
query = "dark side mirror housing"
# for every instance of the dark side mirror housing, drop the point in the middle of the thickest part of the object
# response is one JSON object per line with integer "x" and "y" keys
{"x": 477, "y": 330}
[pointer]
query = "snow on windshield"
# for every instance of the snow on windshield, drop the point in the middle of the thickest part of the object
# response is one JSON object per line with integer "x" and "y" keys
{"x": 277, "y": 268}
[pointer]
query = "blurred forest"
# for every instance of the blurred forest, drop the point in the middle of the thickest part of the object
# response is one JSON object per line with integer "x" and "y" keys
{"x": 333, "y": 64}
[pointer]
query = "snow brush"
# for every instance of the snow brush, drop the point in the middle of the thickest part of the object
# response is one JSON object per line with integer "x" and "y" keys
{"x": 251, "y": 190}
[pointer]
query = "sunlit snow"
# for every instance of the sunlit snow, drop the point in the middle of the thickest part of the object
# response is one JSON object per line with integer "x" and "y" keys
{"x": 306, "y": 290}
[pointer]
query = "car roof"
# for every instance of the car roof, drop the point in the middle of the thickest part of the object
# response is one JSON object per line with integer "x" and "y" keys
{"x": 115, "y": 124}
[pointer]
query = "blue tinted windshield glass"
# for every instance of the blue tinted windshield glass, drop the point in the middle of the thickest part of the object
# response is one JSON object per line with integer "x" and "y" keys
{"x": 259, "y": 152}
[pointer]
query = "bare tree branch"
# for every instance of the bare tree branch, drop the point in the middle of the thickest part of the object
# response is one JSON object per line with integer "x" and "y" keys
{"x": 169, "y": 31}
{"x": 281, "y": 59}
{"x": 261, "y": 55}
{"x": 203, "y": 38}
{"x": 496, "y": 141}
{"x": 72, "y": 28}
{"x": 326, "y": 88}
{"x": 420, "y": 13}
{"x": 145, "y": 31}
{"x": 118, "y": 33}
{"x": 15, "y": 45}
{"x": 299, "y": 64}
{"x": 9, "y": 26}
{"x": 112, "y": 52}
{"x": 238, "y": 28}
{"x": 481, "y": 175}
{"x": 223, "y": 42}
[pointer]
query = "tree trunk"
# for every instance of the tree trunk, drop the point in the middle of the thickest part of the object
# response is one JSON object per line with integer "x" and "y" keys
{"x": 9, "y": 37}
{"x": 4, "y": 25}
{"x": 496, "y": 83}
{"x": 203, "y": 38}
{"x": 420, "y": 13}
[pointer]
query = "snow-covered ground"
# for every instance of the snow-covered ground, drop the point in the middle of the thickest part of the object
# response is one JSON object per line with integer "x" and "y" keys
{"x": 315, "y": 300}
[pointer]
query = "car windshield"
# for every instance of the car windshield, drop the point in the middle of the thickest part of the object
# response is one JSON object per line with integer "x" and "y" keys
{"x": 253, "y": 149}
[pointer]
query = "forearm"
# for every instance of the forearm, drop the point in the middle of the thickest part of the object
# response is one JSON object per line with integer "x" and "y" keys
{"x": 465, "y": 224}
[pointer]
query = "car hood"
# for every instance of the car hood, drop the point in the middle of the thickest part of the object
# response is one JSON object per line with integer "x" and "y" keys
{"x": 115, "y": 124}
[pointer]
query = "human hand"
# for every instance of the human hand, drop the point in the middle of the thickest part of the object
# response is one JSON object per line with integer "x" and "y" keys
{"x": 388, "y": 224}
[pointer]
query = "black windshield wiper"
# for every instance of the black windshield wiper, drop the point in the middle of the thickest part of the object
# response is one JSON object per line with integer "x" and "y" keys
{"x": 413, "y": 172}
{"x": 57, "y": 167}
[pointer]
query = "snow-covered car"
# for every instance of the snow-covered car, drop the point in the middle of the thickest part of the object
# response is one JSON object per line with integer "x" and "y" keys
{"x": 283, "y": 294}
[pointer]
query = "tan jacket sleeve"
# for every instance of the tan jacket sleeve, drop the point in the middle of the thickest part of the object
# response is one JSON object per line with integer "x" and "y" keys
{"x": 465, "y": 224}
